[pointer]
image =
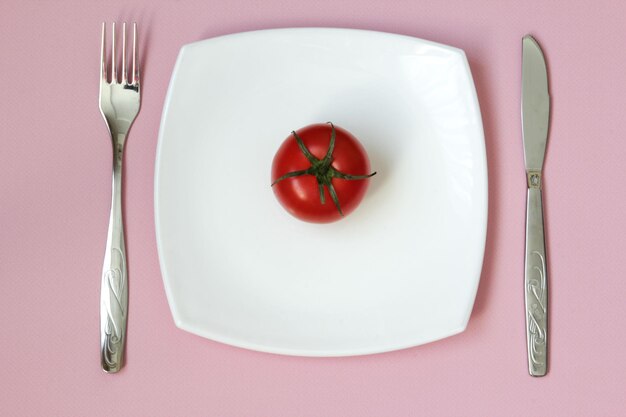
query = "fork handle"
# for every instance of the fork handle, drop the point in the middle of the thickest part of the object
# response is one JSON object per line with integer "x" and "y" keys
{"x": 114, "y": 286}
{"x": 536, "y": 285}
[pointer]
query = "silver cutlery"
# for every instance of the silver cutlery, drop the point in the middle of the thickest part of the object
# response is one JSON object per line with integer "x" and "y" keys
{"x": 119, "y": 105}
{"x": 535, "y": 121}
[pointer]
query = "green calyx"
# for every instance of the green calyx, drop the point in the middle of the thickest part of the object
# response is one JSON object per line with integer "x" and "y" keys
{"x": 322, "y": 170}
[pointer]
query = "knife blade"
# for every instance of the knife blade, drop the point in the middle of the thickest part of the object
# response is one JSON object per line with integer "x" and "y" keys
{"x": 535, "y": 122}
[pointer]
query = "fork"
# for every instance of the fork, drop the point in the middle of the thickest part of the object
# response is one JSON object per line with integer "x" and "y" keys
{"x": 119, "y": 105}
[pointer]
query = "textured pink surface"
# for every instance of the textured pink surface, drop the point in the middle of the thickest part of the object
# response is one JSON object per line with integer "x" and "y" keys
{"x": 54, "y": 185}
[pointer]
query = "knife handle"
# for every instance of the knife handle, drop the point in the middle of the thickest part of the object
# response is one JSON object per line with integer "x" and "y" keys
{"x": 536, "y": 281}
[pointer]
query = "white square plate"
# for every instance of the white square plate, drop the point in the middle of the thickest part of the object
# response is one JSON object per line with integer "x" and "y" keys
{"x": 400, "y": 271}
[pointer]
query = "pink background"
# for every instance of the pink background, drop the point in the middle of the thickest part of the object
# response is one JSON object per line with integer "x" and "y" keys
{"x": 54, "y": 184}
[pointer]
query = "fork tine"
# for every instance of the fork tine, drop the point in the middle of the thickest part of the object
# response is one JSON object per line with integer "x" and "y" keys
{"x": 103, "y": 64}
{"x": 124, "y": 77}
{"x": 113, "y": 57}
{"x": 135, "y": 80}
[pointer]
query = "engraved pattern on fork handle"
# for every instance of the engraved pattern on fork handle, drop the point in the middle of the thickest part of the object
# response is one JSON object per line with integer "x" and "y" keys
{"x": 114, "y": 286}
{"x": 536, "y": 285}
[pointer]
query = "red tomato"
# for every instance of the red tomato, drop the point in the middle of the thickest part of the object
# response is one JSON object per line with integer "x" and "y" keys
{"x": 320, "y": 180}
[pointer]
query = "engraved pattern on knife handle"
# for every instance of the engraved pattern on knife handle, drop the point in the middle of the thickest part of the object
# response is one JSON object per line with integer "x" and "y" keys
{"x": 536, "y": 286}
{"x": 536, "y": 291}
{"x": 114, "y": 306}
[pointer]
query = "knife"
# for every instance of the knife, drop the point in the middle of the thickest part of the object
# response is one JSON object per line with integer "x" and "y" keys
{"x": 535, "y": 121}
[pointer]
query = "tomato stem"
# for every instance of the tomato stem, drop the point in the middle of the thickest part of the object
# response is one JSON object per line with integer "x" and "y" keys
{"x": 322, "y": 195}
{"x": 322, "y": 170}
